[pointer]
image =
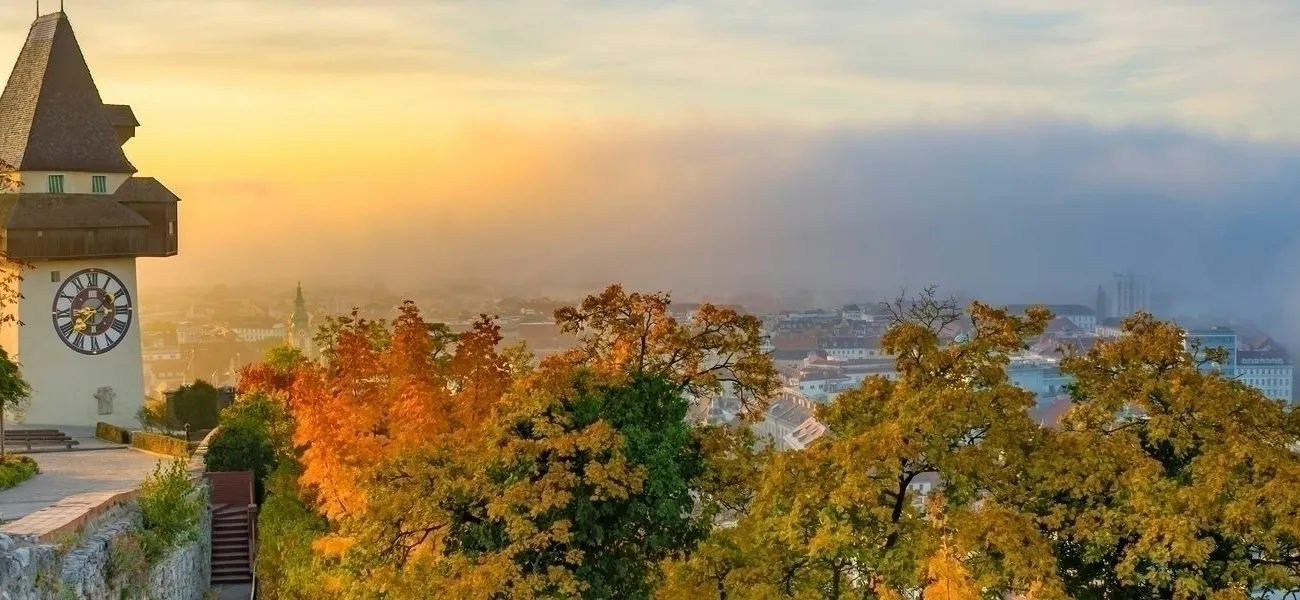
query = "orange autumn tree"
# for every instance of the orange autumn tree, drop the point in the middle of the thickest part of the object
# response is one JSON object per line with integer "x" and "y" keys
{"x": 441, "y": 466}
{"x": 384, "y": 392}
{"x": 716, "y": 352}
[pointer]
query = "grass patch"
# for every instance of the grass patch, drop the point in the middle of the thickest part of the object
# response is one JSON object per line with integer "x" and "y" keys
{"x": 15, "y": 469}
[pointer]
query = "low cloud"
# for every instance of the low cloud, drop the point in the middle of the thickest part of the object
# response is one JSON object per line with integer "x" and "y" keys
{"x": 1043, "y": 209}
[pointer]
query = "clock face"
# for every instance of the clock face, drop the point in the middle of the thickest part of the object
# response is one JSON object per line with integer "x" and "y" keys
{"x": 92, "y": 311}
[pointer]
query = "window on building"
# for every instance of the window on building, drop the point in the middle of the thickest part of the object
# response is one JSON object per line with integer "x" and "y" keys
{"x": 171, "y": 228}
{"x": 56, "y": 184}
{"x": 99, "y": 184}
{"x": 54, "y": 277}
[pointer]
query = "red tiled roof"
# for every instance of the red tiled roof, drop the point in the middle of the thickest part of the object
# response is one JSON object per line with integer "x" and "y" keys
{"x": 794, "y": 341}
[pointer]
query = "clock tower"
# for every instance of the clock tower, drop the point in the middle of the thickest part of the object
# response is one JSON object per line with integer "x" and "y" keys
{"x": 78, "y": 216}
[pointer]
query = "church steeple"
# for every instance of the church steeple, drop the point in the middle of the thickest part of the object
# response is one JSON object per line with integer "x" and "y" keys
{"x": 299, "y": 317}
{"x": 51, "y": 115}
{"x": 300, "y": 325}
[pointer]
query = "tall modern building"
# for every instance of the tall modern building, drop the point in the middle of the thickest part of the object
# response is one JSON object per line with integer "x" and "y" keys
{"x": 1215, "y": 337}
{"x": 1132, "y": 294}
{"x": 77, "y": 214}
{"x": 1101, "y": 305}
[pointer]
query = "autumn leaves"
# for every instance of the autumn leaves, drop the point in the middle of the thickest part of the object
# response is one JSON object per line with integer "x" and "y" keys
{"x": 447, "y": 466}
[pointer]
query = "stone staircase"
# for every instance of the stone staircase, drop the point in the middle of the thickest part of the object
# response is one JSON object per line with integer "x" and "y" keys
{"x": 232, "y": 544}
{"x": 234, "y": 527}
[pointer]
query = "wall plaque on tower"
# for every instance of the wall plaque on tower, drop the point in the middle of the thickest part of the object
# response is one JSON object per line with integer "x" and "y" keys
{"x": 105, "y": 396}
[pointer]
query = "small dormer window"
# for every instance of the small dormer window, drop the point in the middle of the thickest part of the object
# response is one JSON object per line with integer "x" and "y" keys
{"x": 56, "y": 184}
{"x": 99, "y": 184}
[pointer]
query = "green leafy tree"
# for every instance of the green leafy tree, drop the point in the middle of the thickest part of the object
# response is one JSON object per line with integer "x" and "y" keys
{"x": 579, "y": 490}
{"x": 14, "y": 390}
{"x": 196, "y": 404}
{"x": 255, "y": 434}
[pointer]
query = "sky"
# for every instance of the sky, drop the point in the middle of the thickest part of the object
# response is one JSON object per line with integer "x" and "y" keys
{"x": 1011, "y": 148}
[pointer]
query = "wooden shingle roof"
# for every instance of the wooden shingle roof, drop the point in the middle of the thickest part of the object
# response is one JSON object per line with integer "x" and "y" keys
{"x": 51, "y": 115}
{"x": 66, "y": 211}
{"x": 121, "y": 115}
{"x": 144, "y": 189}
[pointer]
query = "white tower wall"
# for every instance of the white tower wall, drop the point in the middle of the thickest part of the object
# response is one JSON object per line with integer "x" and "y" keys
{"x": 65, "y": 382}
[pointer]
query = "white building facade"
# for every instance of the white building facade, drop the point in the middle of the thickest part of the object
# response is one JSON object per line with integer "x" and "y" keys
{"x": 1268, "y": 371}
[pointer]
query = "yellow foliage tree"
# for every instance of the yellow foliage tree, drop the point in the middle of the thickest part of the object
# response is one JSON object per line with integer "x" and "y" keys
{"x": 1168, "y": 479}
{"x": 843, "y": 519}
{"x": 718, "y": 351}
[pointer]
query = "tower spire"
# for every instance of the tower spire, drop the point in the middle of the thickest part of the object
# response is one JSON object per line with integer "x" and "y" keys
{"x": 51, "y": 115}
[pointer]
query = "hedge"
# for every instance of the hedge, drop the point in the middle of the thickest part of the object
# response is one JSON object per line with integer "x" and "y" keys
{"x": 15, "y": 469}
{"x": 161, "y": 444}
{"x": 112, "y": 433}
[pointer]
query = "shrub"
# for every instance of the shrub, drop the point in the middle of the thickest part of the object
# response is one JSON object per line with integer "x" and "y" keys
{"x": 154, "y": 416}
{"x": 196, "y": 404}
{"x": 258, "y": 410}
{"x": 242, "y": 446}
{"x": 112, "y": 433}
{"x": 161, "y": 444}
{"x": 256, "y": 434}
{"x": 170, "y": 509}
{"x": 288, "y": 568}
{"x": 15, "y": 469}
{"x": 127, "y": 564}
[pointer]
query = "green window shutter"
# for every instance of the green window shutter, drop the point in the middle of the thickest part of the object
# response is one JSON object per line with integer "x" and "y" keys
{"x": 99, "y": 184}
{"x": 56, "y": 184}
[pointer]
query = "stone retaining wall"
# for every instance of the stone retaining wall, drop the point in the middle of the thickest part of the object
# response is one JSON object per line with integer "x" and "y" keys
{"x": 65, "y": 551}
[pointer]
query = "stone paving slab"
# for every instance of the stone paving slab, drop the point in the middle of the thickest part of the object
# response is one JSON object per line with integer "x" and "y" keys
{"x": 234, "y": 591}
{"x": 65, "y": 474}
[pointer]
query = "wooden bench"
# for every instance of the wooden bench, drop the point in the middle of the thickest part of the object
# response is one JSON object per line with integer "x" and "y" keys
{"x": 29, "y": 438}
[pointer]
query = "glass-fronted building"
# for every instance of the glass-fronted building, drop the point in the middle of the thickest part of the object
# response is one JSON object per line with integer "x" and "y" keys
{"x": 1215, "y": 337}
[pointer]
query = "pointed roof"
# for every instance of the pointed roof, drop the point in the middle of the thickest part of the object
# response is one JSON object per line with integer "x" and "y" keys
{"x": 51, "y": 115}
{"x": 299, "y": 317}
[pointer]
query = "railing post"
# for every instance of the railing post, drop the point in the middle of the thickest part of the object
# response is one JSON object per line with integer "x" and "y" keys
{"x": 252, "y": 536}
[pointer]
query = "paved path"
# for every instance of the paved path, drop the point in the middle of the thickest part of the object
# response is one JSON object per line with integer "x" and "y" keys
{"x": 236, "y": 591}
{"x": 77, "y": 472}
